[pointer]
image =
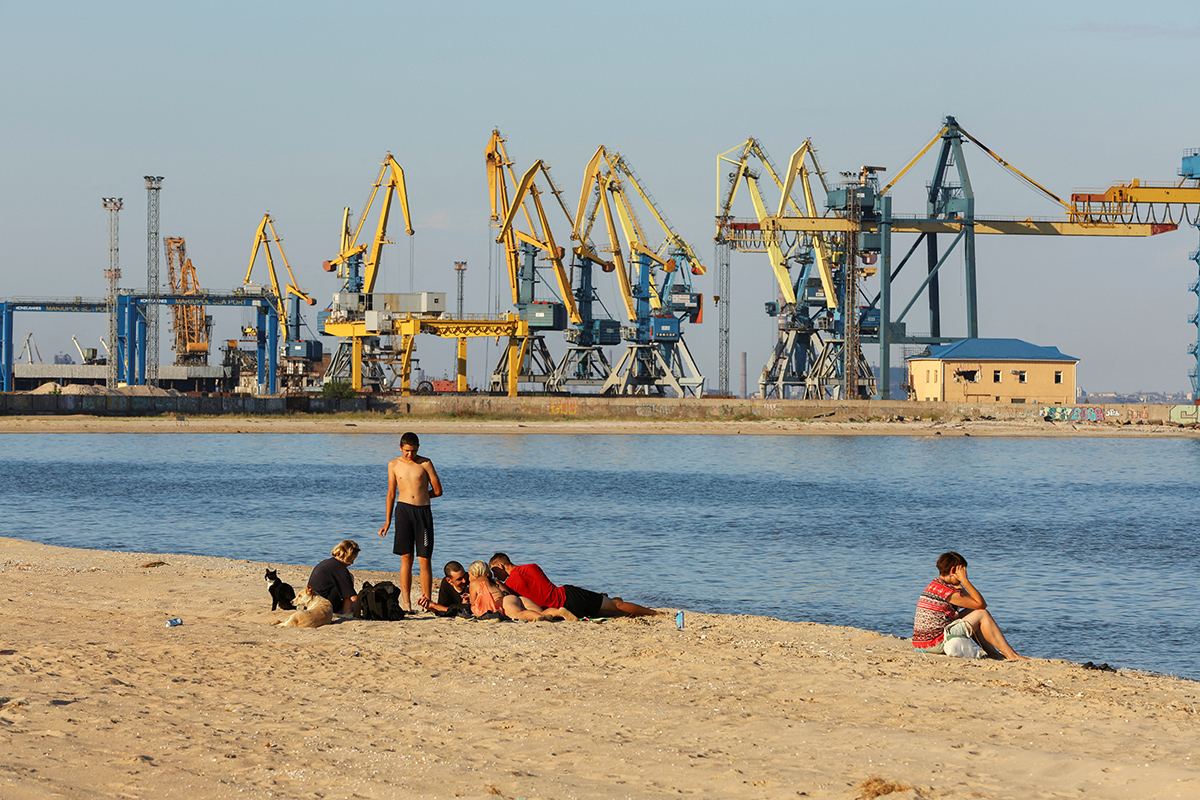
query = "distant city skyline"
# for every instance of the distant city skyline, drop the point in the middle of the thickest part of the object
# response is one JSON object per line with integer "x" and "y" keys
{"x": 289, "y": 108}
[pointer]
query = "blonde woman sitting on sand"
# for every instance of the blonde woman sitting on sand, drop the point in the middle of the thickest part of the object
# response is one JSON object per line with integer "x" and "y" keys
{"x": 487, "y": 595}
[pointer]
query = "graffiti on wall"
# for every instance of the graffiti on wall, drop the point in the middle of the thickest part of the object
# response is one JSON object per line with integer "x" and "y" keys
{"x": 655, "y": 410}
{"x": 1184, "y": 415}
{"x": 566, "y": 408}
{"x": 1076, "y": 413}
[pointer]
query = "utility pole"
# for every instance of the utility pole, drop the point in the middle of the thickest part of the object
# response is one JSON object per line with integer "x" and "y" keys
{"x": 112, "y": 274}
{"x": 460, "y": 270}
{"x": 153, "y": 187}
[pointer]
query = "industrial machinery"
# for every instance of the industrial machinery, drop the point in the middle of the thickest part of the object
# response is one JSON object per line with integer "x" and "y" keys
{"x": 357, "y": 265}
{"x": 380, "y": 329}
{"x": 865, "y": 210}
{"x": 1157, "y": 203}
{"x": 818, "y": 311}
{"x": 286, "y": 299}
{"x": 658, "y": 297}
{"x": 87, "y": 356}
{"x": 190, "y": 325}
{"x": 513, "y": 202}
{"x": 29, "y": 350}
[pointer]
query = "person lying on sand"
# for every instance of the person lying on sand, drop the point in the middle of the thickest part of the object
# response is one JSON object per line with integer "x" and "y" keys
{"x": 938, "y": 619}
{"x": 529, "y": 581}
{"x": 332, "y": 580}
{"x": 453, "y": 592}
{"x": 489, "y": 596}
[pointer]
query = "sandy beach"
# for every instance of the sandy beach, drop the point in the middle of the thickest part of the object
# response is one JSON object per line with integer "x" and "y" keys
{"x": 100, "y": 699}
{"x": 841, "y": 424}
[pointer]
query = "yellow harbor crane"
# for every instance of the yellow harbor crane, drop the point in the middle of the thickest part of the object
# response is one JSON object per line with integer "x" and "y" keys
{"x": 863, "y": 211}
{"x": 357, "y": 265}
{"x": 806, "y": 353}
{"x": 361, "y": 316}
{"x": 657, "y": 297}
{"x": 286, "y": 299}
{"x": 525, "y": 231}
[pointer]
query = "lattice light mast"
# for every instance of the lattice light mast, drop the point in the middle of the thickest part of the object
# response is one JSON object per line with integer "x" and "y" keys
{"x": 460, "y": 271}
{"x": 113, "y": 275}
{"x": 723, "y": 249}
{"x": 153, "y": 290}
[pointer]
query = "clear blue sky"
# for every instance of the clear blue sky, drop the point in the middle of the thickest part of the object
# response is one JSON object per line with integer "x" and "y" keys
{"x": 288, "y": 107}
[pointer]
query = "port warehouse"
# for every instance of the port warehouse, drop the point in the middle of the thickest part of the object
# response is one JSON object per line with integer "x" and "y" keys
{"x": 481, "y": 406}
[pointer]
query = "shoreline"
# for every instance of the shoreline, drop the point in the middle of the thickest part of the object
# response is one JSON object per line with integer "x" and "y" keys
{"x": 373, "y": 423}
{"x": 100, "y": 699}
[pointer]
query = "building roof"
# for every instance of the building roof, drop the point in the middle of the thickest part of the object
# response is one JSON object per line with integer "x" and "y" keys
{"x": 994, "y": 350}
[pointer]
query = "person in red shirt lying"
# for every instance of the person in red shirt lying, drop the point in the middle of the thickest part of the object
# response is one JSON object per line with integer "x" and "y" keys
{"x": 528, "y": 580}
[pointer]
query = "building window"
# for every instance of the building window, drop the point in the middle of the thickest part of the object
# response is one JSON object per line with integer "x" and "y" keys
{"x": 1021, "y": 376}
{"x": 935, "y": 376}
{"x": 1058, "y": 376}
{"x": 995, "y": 376}
{"x": 927, "y": 376}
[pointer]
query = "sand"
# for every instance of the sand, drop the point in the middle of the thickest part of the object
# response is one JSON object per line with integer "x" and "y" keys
{"x": 99, "y": 699}
{"x": 371, "y": 423}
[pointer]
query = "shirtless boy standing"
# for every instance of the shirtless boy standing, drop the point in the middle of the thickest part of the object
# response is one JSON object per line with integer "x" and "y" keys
{"x": 412, "y": 481}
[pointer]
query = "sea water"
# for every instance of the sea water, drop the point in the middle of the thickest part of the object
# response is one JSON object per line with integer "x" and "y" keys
{"x": 1085, "y": 549}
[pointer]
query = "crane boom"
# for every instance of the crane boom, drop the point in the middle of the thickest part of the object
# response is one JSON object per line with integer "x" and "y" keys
{"x": 537, "y": 232}
{"x": 391, "y": 180}
{"x": 262, "y": 241}
{"x": 673, "y": 239}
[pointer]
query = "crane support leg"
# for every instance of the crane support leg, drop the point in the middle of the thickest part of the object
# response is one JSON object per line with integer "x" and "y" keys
{"x": 972, "y": 304}
{"x": 460, "y": 384}
{"x": 515, "y": 350}
{"x": 140, "y": 325}
{"x": 6, "y": 348}
{"x": 935, "y": 304}
{"x": 356, "y": 352}
{"x": 885, "y": 297}
{"x": 407, "y": 345}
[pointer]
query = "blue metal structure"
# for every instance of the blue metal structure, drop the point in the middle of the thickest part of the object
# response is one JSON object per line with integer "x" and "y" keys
{"x": 944, "y": 201}
{"x": 8, "y": 309}
{"x": 130, "y": 347}
{"x": 1191, "y": 170}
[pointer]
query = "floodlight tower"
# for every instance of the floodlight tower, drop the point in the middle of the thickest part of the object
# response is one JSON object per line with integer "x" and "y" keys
{"x": 153, "y": 187}
{"x": 722, "y": 300}
{"x": 460, "y": 270}
{"x": 113, "y": 275}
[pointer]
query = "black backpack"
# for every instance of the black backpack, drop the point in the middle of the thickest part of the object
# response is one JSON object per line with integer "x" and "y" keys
{"x": 380, "y": 601}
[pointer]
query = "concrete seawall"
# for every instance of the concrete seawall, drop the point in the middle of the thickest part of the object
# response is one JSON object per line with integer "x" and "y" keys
{"x": 589, "y": 408}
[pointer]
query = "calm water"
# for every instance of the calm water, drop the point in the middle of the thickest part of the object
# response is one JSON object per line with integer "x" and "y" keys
{"x": 1084, "y": 549}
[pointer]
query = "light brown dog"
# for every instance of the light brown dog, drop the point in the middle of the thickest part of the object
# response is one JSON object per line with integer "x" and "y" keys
{"x": 314, "y": 612}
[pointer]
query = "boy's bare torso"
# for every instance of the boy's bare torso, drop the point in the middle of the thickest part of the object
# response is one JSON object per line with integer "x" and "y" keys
{"x": 412, "y": 479}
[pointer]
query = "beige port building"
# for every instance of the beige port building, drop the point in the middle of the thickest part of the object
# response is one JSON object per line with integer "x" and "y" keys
{"x": 992, "y": 371}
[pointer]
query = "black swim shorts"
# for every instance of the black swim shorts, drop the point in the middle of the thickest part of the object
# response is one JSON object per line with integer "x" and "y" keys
{"x": 414, "y": 530}
{"x": 582, "y": 602}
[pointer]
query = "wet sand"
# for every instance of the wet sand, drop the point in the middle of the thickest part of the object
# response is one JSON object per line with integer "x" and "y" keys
{"x": 99, "y": 699}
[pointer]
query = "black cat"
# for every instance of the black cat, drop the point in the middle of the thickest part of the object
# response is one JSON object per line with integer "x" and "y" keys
{"x": 282, "y": 594}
